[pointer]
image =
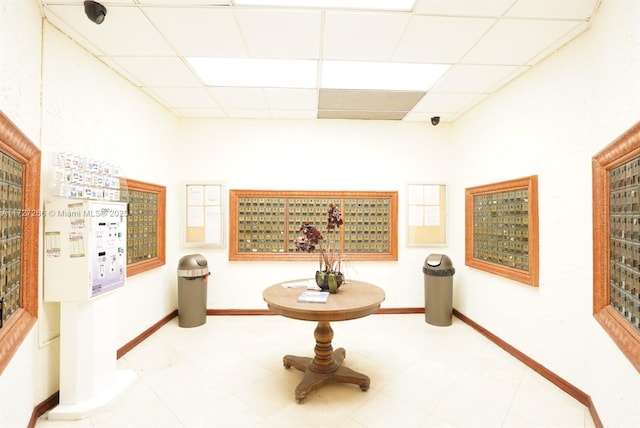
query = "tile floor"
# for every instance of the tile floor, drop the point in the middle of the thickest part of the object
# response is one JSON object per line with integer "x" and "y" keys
{"x": 229, "y": 373}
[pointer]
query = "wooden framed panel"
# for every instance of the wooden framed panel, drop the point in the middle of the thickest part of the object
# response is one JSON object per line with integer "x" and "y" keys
{"x": 616, "y": 242}
{"x": 145, "y": 225}
{"x": 426, "y": 214}
{"x": 264, "y": 224}
{"x": 20, "y": 216}
{"x": 502, "y": 229}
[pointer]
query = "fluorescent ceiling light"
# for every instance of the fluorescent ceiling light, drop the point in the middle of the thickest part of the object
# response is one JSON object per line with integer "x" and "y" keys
{"x": 250, "y": 72}
{"x": 380, "y": 75}
{"x": 284, "y": 73}
{"x": 397, "y": 5}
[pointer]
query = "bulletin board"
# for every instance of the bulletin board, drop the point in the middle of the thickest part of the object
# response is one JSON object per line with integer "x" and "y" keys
{"x": 427, "y": 214}
{"x": 204, "y": 216}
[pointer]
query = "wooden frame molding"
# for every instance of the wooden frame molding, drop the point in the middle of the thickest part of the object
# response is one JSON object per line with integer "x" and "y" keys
{"x": 15, "y": 144}
{"x": 161, "y": 193}
{"x": 624, "y": 149}
{"x": 472, "y": 228}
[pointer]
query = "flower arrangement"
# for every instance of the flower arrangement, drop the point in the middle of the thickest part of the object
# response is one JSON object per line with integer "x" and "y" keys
{"x": 330, "y": 254}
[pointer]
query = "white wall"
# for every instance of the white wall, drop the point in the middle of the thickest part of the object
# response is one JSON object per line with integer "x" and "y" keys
{"x": 315, "y": 155}
{"x": 91, "y": 111}
{"x": 20, "y": 47}
{"x": 52, "y": 88}
{"x": 550, "y": 122}
{"x": 20, "y": 62}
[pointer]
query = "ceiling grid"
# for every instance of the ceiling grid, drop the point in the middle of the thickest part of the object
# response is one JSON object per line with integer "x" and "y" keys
{"x": 483, "y": 44}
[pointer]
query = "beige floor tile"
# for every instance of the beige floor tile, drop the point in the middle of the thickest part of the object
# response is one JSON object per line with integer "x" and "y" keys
{"x": 229, "y": 373}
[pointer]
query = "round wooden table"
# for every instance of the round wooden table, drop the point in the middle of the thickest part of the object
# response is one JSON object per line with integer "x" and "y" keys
{"x": 355, "y": 299}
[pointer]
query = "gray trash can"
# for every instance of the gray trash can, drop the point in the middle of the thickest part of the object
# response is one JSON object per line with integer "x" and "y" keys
{"x": 193, "y": 274}
{"x": 438, "y": 289}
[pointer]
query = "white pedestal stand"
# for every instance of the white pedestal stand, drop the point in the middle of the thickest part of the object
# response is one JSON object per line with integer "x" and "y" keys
{"x": 89, "y": 378}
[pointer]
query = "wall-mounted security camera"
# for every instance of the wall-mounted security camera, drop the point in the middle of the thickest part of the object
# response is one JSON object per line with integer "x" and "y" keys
{"x": 435, "y": 120}
{"x": 95, "y": 11}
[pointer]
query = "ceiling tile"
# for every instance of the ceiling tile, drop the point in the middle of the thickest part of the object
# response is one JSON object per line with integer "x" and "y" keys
{"x": 199, "y": 31}
{"x": 119, "y": 69}
{"x": 184, "y": 97}
{"x": 553, "y": 9}
{"x": 338, "y": 99}
{"x": 125, "y": 30}
{"x": 486, "y": 8}
{"x": 440, "y": 39}
{"x": 286, "y": 99}
{"x": 248, "y": 113}
{"x": 239, "y": 98}
{"x": 517, "y": 41}
{"x": 281, "y": 34}
{"x": 158, "y": 71}
{"x": 426, "y": 117}
{"x": 344, "y": 40}
{"x": 188, "y": 2}
{"x": 295, "y": 114}
{"x": 560, "y": 42}
{"x": 104, "y": 2}
{"x": 488, "y": 42}
{"x": 473, "y": 78}
{"x": 199, "y": 113}
{"x": 444, "y": 102}
{"x": 70, "y": 30}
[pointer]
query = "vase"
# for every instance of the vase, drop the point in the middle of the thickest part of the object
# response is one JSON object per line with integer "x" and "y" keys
{"x": 330, "y": 281}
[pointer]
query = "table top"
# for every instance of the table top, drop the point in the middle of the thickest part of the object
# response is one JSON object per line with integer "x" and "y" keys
{"x": 354, "y": 299}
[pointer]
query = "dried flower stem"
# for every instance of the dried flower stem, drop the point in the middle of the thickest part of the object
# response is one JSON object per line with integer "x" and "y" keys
{"x": 330, "y": 257}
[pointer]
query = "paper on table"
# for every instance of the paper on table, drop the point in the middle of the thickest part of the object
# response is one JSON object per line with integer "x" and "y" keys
{"x": 314, "y": 296}
{"x": 309, "y": 284}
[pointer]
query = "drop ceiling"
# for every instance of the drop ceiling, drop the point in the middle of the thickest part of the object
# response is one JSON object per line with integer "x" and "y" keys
{"x": 485, "y": 43}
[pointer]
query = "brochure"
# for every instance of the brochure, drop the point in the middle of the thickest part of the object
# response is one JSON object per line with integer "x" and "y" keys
{"x": 314, "y": 296}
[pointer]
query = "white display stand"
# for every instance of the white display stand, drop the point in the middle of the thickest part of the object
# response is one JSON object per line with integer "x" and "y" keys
{"x": 85, "y": 265}
{"x": 89, "y": 378}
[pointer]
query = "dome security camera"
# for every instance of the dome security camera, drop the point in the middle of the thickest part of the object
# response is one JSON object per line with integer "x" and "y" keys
{"x": 435, "y": 120}
{"x": 95, "y": 11}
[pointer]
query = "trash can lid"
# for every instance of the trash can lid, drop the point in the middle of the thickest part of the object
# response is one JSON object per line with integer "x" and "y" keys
{"x": 192, "y": 265}
{"x": 438, "y": 265}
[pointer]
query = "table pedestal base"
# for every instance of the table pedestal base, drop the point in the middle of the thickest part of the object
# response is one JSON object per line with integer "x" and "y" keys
{"x": 325, "y": 366}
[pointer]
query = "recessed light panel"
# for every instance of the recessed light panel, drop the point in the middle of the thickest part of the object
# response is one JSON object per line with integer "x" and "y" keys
{"x": 251, "y": 72}
{"x": 397, "y": 5}
{"x": 380, "y": 75}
